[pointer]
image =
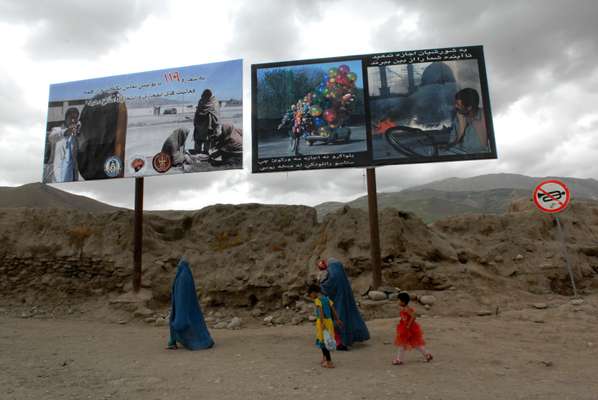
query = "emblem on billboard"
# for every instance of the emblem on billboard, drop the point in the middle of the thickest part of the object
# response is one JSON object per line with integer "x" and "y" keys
{"x": 162, "y": 162}
{"x": 137, "y": 165}
{"x": 112, "y": 166}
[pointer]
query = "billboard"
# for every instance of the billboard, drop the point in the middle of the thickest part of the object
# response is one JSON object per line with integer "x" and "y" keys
{"x": 171, "y": 121}
{"x": 369, "y": 110}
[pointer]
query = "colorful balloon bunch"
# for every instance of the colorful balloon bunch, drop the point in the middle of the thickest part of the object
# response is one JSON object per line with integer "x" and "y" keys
{"x": 328, "y": 106}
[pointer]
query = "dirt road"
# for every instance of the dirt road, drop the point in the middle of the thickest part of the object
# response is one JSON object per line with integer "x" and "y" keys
{"x": 475, "y": 358}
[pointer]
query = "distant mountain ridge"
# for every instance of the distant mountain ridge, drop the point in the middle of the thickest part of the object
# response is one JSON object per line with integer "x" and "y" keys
{"x": 39, "y": 195}
{"x": 580, "y": 188}
{"x": 484, "y": 194}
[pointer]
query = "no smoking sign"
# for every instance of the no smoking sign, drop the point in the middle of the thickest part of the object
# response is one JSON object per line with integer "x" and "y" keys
{"x": 552, "y": 196}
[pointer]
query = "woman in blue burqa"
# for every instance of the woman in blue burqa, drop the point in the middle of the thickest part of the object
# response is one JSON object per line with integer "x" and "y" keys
{"x": 335, "y": 285}
{"x": 187, "y": 325}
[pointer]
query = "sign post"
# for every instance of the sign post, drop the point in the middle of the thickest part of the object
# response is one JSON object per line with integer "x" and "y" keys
{"x": 553, "y": 196}
{"x": 138, "y": 234}
{"x": 374, "y": 230}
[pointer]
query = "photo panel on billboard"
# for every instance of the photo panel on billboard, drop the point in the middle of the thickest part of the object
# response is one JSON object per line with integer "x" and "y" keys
{"x": 308, "y": 115}
{"x": 429, "y": 105}
{"x": 171, "y": 121}
{"x": 370, "y": 110}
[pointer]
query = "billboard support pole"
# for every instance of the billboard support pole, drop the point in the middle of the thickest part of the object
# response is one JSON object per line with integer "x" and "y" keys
{"x": 138, "y": 234}
{"x": 566, "y": 254}
{"x": 374, "y": 231}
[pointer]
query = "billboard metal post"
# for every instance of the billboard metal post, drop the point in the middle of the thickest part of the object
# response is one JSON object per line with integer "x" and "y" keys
{"x": 566, "y": 254}
{"x": 138, "y": 234}
{"x": 374, "y": 231}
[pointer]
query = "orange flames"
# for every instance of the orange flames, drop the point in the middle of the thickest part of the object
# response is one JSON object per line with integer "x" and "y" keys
{"x": 384, "y": 125}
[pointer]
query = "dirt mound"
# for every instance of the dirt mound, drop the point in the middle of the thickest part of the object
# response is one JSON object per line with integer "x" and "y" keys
{"x": 262, "y": 257}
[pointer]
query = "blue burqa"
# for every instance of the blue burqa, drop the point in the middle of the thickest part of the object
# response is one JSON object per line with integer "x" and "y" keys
{"x": 187, "y": 325}
{"x": 337, "y": 287}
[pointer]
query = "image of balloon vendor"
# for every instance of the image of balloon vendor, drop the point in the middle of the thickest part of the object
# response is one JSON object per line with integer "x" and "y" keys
{"x": 320, "y": 112}
{"x": 187, "y": 324}
{"x": 325, "y": 312}
{"x": 64, "y": 144}
{"x": 333, "y": 101}
{"x": 468, "y": 132}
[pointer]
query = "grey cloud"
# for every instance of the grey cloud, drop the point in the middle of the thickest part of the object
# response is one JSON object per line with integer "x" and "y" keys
{"x": 14, "y": 111}
{"x": 272, "y": 30}
{"x": 72, "y": 29}
{"x": 520, "y": 39}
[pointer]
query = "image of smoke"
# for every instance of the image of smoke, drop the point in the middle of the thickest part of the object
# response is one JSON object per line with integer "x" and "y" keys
{"x": 429, "y": 111}
{"x": 305, "y": 113}
{"x": 178, "y": 120}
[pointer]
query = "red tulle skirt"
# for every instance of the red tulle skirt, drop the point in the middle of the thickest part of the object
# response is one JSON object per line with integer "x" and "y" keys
{"x": 409, "y": 338}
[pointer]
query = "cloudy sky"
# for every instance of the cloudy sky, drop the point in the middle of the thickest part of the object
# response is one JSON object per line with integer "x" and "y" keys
{"x": 541, "y": 60}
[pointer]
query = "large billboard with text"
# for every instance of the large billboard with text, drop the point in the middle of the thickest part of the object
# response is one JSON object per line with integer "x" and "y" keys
{"x": 370, "y": 110}
{"x": 171, "y": 121}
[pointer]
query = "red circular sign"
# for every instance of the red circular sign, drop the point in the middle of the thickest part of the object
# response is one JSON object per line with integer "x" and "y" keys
{"x": 162, "y": 162}
{"x": 552, "y": 196}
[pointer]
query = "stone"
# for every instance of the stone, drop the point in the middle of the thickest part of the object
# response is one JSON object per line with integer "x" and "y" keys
{"x": 256, "y": 313}
{"x": 484, "y": 313}
{"x": 540, "y": 306}
{"x": 140, "y": 297}
{"x": 577, "y": 302}
{"x": 280, "y": 320}
{"x": 377, "y": 295}
{"x": 393, "y": 296}
{"x": 268, "y": 319}
{"x": 427, "y": 299}
{"x": 234, "y": 323}
{"x": 547, "y": 363}
{"x": 297, "y": 320}
{"x": 518, "y": 257}
{"x": 161, "y": 322}
{"x": 442, "y": 286}
{"x": 150, "y": 320}
{"x": 388, "y": 289}
{"x": 221, "y": 325}
{"x": 143, "y": 311}
{"x": 312, "y": 318}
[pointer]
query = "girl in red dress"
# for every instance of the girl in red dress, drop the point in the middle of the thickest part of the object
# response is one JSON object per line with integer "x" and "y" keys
{"x": 409, "y": 333}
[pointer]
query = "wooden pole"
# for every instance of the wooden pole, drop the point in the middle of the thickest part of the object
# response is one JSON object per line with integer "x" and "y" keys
{"x": 138, "y": 234}
{"x": 374, "y": 231}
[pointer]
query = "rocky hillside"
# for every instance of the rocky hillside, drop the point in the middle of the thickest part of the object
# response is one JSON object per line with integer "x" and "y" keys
{"x": 259, "y": 257}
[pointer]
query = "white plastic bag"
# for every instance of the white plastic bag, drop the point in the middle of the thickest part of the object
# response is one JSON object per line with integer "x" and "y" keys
{"x": 329, "y": 341}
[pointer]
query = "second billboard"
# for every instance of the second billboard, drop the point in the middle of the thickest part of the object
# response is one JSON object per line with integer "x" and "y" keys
{"x": 391, "y": 108}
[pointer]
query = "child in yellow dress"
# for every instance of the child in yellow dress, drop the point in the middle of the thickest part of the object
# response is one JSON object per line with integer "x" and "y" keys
{"x": 324, "y": 313}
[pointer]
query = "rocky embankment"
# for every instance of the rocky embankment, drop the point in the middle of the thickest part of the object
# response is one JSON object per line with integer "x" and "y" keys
{"x": 255, "y": 261}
